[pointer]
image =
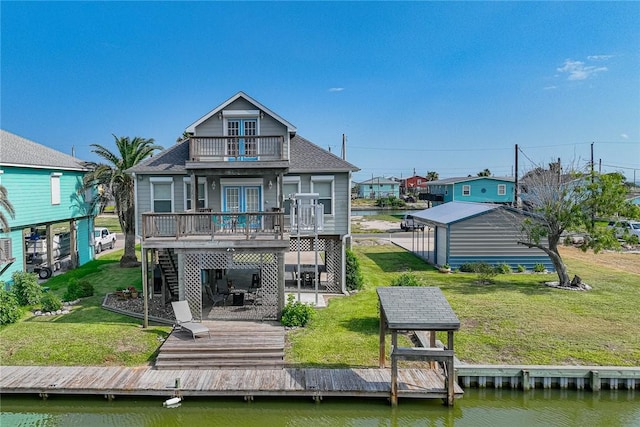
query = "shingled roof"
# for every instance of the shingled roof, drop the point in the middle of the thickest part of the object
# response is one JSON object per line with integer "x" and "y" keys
{"x": 18, "y": 151}
{"x": 306, "y": 157}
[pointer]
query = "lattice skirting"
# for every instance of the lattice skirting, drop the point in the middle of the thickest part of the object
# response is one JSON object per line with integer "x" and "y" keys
{"x": 332, "y": 247}
{"x": 269, "y": 263}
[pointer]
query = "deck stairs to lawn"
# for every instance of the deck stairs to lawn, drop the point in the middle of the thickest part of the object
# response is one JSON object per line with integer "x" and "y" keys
{"x": 168, "y": 264}
{"x": 232, "y": 345}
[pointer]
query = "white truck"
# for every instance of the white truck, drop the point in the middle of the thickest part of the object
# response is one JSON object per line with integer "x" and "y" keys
{"x": 103, "y": 238}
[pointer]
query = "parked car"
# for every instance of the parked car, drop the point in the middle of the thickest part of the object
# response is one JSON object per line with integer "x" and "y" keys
{"x": 625, "y": 228}
{"x": 408, "y": 224}
{"x": 103, "y": 238}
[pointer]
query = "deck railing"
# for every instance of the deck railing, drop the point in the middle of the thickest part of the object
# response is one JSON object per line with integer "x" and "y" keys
{"x": 236, "y": 148}
{"x": 214, "y": 224}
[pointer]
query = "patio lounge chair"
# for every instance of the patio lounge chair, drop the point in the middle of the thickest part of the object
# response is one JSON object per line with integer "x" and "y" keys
{"x": 184, "y": 319}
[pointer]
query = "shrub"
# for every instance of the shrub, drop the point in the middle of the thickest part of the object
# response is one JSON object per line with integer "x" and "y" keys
{"x": 26, "y": 288}
{"x": 353, "y": 274}
{"x": 467, "y": 267}
{"x": 521, "y": 268}
{"x": 504, "y": 268}
{"x": 390, "y": 202}
{"x": 50, "y": 302}
{"x": 406, "y": 279}
{"x": 296, "y": 313}
{"x": 78, "y": 289}
{"x": 9, "y": 308}
{"x": 539, "y": 268}
{"x": 485, "y": 272}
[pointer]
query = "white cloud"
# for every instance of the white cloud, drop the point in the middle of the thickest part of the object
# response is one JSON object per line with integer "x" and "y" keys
{"x": 578, "y": 70}
{"x": 624, "y": 136}
{"x": 336, "y": 89}
{"x": 599, "y": 57}
{"x": 550, "y": 87}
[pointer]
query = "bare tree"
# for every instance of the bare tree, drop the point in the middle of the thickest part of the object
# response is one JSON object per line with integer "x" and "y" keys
{"x": 569, "y": 202}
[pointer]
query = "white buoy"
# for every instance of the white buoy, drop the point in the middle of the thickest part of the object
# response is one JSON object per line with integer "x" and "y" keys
{"x": 172, "y": 401}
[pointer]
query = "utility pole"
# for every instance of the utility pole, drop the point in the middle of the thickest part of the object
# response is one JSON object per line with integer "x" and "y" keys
{"x": 516, "y": 191}
{"x": 593, "y": 208}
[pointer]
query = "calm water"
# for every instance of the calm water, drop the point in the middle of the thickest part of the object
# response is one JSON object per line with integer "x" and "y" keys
{"x": 478, "y": 408}
{"x": 394, "y": 212}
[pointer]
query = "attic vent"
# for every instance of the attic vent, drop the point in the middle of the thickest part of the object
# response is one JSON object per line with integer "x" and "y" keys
{"x": 5, "y": 250}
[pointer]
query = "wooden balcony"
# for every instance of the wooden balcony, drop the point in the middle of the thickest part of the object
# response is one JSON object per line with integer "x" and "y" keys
{"x": 213, "y": 225}
{"x": 237, "y": 148}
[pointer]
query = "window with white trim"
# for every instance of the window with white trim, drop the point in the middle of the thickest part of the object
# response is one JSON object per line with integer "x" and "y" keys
{"x": 323, "y": 185}
{"x": 466, "y": 190}
{"x": 290, "y": 185}
{"x": 161, "y": 194}
{"x": 502, "y": 189}
{"x": 202, "y": 193}
{"x": 55, "y": 188}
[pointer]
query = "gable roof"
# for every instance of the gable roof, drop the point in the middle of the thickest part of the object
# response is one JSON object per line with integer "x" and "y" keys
{"x": 452, "y": 212}
{"x": 459, "y": 179}
{"x": 306, "y": 157}
{"x": 192, "y": 127}
{"x": 21, "y": 152}
{"x": 379, "y": 180}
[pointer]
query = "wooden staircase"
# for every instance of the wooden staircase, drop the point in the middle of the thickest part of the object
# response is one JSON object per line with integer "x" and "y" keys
{"x": 166, "y": 259}
{"x": 232, "y": 345}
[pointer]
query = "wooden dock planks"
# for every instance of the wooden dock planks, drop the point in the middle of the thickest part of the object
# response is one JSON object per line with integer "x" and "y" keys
{"x": 312, "y": 382}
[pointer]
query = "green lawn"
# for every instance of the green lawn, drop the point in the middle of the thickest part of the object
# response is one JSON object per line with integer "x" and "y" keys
{"x": 89, "y": 335}
{"x": 516, "y": 320}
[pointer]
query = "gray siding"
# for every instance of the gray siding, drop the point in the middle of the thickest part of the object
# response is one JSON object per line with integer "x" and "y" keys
{"x": 491, "y": 234}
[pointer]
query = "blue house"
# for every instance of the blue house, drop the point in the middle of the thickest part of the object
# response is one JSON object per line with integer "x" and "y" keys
{"x": 378, "y": 187}
{"x": 480, "y": 189}
{"x": 478, "y": 232}
{"x": 53, "y": 217}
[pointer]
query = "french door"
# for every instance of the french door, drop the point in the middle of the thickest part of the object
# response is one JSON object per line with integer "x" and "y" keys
{"x": 242, "y": 199}
{"x": 242, "y": 146}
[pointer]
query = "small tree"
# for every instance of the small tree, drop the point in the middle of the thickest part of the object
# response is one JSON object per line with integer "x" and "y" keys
{"x": 353, "y": 274}
{"x": 432, "y": 176}
{"x": 569, "y": 202}
{"x": 485, "y": 172}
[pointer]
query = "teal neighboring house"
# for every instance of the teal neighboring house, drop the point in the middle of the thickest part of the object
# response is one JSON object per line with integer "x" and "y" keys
{"x": 378, "y": 187}
{"x": 479, "y": 189}
{"x": 53, "y": 219}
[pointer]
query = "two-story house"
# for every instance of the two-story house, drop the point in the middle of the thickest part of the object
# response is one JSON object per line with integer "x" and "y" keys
{"x": 413, "y": 185}
{"x": 480, "y": 189}
{"x": 53, "y": 217}
{"x": 378, "y": 187}
{"x": 243, "y": 206}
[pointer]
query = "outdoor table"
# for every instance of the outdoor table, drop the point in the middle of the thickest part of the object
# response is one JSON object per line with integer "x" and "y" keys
{"x": 417, "y": 308}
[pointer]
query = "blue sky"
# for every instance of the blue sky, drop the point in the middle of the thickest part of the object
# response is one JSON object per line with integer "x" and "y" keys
{"x": 450, "y": 87}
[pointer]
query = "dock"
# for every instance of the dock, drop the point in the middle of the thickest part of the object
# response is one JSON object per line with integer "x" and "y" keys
{"x": 314, "y": 383}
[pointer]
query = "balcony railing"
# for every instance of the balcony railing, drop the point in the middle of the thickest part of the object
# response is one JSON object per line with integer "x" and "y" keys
{"x": 236, "y": 148}
{"x": 216, "y": 225}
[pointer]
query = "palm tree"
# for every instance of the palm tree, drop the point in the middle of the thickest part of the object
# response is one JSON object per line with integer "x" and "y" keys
{"x": 113, "y": 182}
{"x": 6, "y": 205}
{"x": 485, "y": 172}
{"x": 432, "y": 176}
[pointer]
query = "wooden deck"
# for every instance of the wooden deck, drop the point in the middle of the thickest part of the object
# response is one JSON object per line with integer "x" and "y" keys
{"x": 247, "y": 383}
{"x": 232, "y": 345}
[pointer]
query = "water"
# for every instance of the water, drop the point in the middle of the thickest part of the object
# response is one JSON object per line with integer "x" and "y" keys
{"x": 478, "y": 408}
{"x": 395, "y": 212}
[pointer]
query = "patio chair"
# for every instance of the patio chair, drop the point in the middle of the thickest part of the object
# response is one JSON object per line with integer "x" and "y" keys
{"x": 184, "y": 319}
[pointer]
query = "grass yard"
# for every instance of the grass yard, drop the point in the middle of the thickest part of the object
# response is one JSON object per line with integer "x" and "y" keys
{"x": 88, "y": 335}
{"x": 515, "y": 320}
